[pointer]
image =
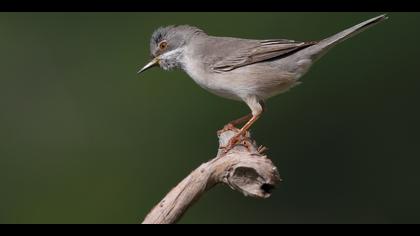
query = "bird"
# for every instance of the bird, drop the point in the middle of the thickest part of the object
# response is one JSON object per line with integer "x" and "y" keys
{"x": 247, "y": 70}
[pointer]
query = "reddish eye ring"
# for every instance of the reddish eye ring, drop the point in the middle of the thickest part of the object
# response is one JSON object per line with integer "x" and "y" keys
{"x": 163, "y": 45}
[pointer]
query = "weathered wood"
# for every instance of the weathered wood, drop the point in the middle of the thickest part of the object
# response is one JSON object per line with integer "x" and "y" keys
{"x": 245, "y": 168}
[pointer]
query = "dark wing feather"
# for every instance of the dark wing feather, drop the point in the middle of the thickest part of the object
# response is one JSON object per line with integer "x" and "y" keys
{"x": 257, "y": 51}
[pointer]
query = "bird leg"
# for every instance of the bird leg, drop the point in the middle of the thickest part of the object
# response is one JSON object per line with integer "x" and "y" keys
{"x": 235, "y": 139}
{"x": 257, "y": 107}
{"x": 241, "y": 120}
{"x": 234, "y": 123}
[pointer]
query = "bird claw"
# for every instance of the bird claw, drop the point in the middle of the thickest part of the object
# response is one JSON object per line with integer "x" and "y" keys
{"x": 227, "y": 127}
{"x": 232, "y": 143}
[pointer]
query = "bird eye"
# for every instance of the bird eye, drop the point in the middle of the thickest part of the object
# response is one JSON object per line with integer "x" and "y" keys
{"x": 163, "y": 45}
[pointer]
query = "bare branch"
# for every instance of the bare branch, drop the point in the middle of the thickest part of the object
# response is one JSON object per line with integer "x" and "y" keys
{"x": 245, "y": 168}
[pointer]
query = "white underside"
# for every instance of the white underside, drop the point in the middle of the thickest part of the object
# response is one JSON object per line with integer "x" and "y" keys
{"x": 261, "y": 79}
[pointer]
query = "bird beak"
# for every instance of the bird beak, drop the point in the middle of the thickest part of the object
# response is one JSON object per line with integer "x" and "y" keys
{"x": 152, "y": 63}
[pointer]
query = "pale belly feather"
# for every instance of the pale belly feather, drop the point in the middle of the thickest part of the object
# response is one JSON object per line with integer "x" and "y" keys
{"x": 263, "y": 80}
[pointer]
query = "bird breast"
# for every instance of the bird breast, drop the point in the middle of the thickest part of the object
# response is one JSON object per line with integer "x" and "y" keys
{"x": 210, "y": 81}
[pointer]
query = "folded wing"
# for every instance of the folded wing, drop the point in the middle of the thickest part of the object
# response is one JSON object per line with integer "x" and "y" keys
{"x": 253, "y": 51}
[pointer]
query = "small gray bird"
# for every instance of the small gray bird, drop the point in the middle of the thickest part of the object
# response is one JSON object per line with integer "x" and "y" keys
{"x": 241, "y": 69}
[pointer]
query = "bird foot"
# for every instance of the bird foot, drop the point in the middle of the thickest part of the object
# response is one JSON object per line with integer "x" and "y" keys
{"x": 227, "y": 127}
{"x": 233, "y": 142}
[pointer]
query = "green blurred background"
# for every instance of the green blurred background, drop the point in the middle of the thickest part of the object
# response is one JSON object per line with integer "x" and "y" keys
{"x": 84, "y": 139}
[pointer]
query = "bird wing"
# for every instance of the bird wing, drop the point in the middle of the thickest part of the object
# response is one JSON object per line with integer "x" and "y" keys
{"x": 253, "y": 51}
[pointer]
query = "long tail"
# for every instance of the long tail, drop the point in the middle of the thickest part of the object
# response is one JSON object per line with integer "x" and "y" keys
{"x": 322, "y": 46}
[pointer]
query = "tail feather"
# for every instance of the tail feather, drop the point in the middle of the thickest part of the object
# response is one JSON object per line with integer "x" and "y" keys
{"x": 322, "y": 46}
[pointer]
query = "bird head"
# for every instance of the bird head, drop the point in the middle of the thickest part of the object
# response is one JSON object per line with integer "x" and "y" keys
{"x": 167, "y": 46}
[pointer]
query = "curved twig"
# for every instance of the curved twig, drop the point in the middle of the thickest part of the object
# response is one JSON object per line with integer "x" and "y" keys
{"x": 245, "y": 168}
